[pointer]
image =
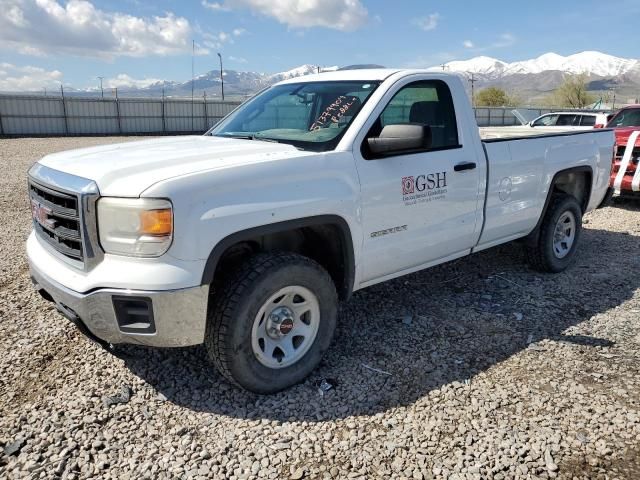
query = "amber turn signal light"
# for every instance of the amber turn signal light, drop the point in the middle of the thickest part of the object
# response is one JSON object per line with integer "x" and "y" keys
{"x": 156, "y": 222}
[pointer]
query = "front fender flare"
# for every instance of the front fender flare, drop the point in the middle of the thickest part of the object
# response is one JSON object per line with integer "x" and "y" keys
{"x": 346, "y": 241}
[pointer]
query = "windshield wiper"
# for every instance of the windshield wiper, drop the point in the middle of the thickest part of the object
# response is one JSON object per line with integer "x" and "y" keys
{"x": 253, "y": 136}
{"x": 248, "y": 136}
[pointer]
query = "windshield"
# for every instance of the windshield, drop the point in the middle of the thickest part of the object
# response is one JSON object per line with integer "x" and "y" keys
{"x": 626, "y": 118}
{"x": 311, "y": 115}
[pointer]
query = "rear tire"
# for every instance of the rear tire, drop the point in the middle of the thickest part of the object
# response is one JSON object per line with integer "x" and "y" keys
{"x": 559, "y": 236}
{"x": 270, "y": 325}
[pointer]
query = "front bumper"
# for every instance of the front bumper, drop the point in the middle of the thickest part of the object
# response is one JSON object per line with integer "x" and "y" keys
{"x": 179, "y": 316}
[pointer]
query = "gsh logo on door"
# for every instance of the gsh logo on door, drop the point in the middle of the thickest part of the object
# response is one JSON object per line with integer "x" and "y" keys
{"x": 423, "y": 182}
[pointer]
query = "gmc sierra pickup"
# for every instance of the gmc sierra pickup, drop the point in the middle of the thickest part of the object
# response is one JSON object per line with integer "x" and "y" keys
{"x": 247, "y": 237}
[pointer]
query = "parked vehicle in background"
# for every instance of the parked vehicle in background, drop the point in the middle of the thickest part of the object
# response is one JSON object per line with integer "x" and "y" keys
{"x": 625, "y": 175}
{"x": 569, "y": 120}
{"x": 245, "y": 238}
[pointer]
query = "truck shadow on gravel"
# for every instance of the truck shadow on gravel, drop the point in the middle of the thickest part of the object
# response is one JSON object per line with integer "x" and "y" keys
{"x": 631, "y": 204}
{"x": 421, "y": 332}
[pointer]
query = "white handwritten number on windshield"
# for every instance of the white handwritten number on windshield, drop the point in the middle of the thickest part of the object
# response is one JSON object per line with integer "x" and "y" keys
{"x": 334, "y": 112}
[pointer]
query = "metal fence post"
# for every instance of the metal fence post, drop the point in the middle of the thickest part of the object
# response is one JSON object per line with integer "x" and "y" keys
{"x": 64, "y": 112}
{"x": 164, "y": 122}
{"x": 118, "y": 112}
{"x": 1, "y": 127}
{"x": 206, "y": 116}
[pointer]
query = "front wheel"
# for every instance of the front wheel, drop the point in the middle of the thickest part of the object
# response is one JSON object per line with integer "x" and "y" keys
{"x": 269, "y": 327}
{"x": 559, "y": 236}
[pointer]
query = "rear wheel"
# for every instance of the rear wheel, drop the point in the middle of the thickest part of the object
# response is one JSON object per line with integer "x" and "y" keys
{"x": 559, "y": 236}
{"x": 269, "y": 326}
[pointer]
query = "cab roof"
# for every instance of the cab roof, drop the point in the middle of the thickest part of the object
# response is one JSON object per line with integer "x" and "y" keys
{"x": 363, "y": 75}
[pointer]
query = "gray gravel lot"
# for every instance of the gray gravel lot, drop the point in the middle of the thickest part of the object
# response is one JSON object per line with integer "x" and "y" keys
{"x": 486, "y": 370}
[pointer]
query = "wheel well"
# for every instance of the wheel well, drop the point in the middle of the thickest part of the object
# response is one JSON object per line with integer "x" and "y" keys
{"x": 576, "y": 183}
{"x": 327, "y": 243}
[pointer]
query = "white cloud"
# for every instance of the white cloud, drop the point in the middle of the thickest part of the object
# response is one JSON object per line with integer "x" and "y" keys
{"x": 14, "y": 78}
{"x": 125, "y": 81}
{"x": 237, "y": 59}
{"x": 79, "y": 28}
{"x": 216, "y": 41}
{"x": 345, "y": 15}
{"x": 505, "y": 40}
{"x": 430, "y": 22}
{"x": 214, "y": 6}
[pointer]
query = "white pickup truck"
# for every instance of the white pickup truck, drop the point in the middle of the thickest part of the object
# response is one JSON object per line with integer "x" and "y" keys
{"x": 246, "y": 238}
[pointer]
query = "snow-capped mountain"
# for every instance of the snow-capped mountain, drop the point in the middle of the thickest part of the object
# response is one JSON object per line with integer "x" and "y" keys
{"x": 299, "y": 72}
{"x": 533, "y": 80}
{"x": 590, "y": 63}
{"x": 235, "y": 82}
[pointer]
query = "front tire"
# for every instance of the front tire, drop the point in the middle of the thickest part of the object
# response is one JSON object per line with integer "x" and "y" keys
{"x": 270, "y": 325}
{"x": 559, "y": 235}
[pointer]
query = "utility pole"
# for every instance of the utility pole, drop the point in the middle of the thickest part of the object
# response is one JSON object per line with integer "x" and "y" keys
{"x": 101, "y": 90}
{"x": 444, "y": 66}
{"x": 221, "y": 76}
{"x": 613, "y": 106}
{"x": 472, "y": 81}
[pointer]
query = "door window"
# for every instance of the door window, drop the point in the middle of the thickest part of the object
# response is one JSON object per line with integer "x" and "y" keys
{"x": 426, "y": 102}
{"x": 567, "y": 120}
{"x": 546, "y": 121}
{"x": 588, "y": 121}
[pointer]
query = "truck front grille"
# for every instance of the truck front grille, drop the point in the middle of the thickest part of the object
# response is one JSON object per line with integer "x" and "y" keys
{"x": 56, "y": 219}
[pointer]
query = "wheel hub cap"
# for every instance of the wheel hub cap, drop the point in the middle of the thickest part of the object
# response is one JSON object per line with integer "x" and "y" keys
{"x": 564, "y": 234}
{"x": 285, "y": 327}
{"x": 280, "y": 322}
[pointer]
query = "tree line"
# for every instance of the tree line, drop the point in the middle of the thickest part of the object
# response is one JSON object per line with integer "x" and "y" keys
{"x": 572, "y": 93}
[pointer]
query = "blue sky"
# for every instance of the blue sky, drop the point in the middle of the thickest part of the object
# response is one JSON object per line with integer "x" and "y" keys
{"x": 45, "y": 42}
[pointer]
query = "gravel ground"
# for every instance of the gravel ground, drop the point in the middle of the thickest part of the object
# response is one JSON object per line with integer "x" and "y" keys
{"x": 477, "y": 369}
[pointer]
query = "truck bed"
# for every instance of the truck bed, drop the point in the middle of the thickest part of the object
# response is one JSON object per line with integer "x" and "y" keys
{"x": 522, "y": 162}
{"x": 489, "y": 133}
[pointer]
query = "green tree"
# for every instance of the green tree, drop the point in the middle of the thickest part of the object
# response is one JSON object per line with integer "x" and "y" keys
{"x": 493, "y": 97}
{"x": 573, "y": 93}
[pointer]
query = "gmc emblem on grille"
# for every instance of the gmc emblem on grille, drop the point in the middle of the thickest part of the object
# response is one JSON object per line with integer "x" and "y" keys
{"x": 41, "y": 215}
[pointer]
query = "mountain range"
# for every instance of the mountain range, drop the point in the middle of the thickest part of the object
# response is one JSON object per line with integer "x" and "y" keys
{"x": 236, "y": 83}
{"x": 530, "y": 80}
{"x": 533, "y": 79}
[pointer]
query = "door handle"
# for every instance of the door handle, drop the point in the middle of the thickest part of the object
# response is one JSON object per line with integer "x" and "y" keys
{"x": 464, "y": 166}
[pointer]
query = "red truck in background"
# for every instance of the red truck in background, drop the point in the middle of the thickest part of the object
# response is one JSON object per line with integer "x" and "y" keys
{"x": 625, "y": 174}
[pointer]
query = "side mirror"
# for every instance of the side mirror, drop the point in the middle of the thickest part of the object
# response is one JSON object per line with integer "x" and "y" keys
{"x": 401, "y": 137}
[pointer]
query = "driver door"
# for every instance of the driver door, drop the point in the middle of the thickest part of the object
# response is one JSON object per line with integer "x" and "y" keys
{"x": 418, "y": 207}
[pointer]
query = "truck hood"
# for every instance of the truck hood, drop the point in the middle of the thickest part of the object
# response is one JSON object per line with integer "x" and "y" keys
{"x": 623, "y": 134}
{"x": 128, "y": 169}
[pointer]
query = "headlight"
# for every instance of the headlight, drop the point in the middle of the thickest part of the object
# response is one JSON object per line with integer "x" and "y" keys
{"x": 139, "y": 227}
